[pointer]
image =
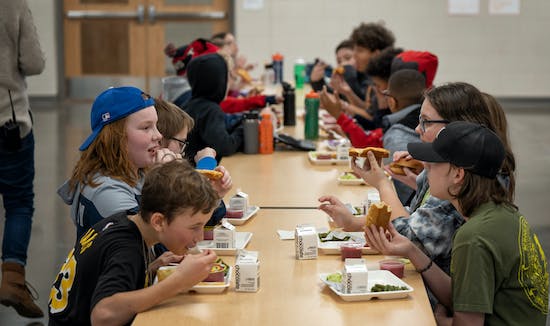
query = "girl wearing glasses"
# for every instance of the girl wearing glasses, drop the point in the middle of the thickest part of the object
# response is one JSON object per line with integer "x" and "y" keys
{"x": 498, "y": 268}
{"x": 429, "y": 222}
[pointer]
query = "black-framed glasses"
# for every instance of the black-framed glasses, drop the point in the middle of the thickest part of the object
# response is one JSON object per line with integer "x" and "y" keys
{"x": 183, "y": 144}
{"x": 386, "y": 93}
{"x": 422, "y": 122}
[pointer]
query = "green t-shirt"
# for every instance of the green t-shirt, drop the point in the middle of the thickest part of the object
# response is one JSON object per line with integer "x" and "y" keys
{"x": 498, "y": 268}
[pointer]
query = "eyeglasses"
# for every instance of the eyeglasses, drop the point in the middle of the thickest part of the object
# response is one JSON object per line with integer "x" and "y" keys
{"x": 386, "y": 93}
{"x": 183, "y": 144}
{"x": 422, "y": 122}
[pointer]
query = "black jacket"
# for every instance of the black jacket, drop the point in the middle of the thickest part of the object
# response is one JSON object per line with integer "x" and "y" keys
{"x": 207, "y": 75}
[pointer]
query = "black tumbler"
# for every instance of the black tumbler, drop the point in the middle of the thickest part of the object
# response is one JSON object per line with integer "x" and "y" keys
{"x": 289, "y": 105}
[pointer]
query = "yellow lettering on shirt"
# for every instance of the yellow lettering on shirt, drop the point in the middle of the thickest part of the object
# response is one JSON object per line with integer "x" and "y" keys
{"x": 59, "y": 294}
{"x": 532, "y": 274}
{"x": 87, "y": 240}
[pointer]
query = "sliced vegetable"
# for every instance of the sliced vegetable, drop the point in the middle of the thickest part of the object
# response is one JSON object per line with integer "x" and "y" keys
{"x": 387, "y": 287}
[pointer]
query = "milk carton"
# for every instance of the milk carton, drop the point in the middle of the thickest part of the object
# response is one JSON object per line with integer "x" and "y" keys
{"x": 305, "y": 240}
{"x": 225, "y": 235}
{"x": 355, "y": 276}
{"x": 247, "y": 271}
{"x": 372, "y": 197}
{"x": 239, "y": 201}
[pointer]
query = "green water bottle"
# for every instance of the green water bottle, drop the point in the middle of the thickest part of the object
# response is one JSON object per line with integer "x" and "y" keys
{"x": 299, "y": 73}
{"x": 311, "y": 131}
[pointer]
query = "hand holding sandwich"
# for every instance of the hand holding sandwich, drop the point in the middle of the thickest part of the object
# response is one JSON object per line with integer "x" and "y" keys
{"x": 410, "y": 174}
{"x": 372, "y": 171}
{"x": 388, "y": 243}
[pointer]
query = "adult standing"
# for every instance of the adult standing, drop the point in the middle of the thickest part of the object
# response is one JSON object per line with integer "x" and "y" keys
{"x": 20, "y": 56}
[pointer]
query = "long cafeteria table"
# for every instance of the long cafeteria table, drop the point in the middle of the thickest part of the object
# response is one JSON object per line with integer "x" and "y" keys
{"x": 286, "y": 185}
{"x": 286, "y": 179}
{"x": 291, "y": 292}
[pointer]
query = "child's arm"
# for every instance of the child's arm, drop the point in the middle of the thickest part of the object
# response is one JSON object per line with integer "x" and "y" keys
{"x": 341, "y": 216}
{"x": 215, "y": 135}
{"x": 435, "y": 278}
{"x": 121, "y": 307}
{"x": 374, "y": 175}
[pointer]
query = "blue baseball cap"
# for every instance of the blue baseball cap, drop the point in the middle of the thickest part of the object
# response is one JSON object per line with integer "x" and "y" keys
{"x": 114, "y": 104}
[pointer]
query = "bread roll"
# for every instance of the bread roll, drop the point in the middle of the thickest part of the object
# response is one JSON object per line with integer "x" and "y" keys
{"x": 378, "y": 152}
{"x": 379, "y": 215}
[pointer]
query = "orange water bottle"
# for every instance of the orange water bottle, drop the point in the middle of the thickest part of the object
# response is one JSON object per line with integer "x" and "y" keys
{"x": 266, "y": 134}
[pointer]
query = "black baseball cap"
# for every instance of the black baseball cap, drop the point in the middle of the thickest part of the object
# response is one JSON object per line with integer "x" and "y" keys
{"x": 464, "y": 144}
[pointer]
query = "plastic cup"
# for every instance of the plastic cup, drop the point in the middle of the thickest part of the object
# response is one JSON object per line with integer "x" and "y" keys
{"x": 208, "y": 233}
{"x": 395, "y": 266}
{"x": 350, "y": 250}
{"x": 234, "y": 213}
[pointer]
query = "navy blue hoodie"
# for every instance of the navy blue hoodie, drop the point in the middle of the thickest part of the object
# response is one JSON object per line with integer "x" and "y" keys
{"x": 208, "y": 75}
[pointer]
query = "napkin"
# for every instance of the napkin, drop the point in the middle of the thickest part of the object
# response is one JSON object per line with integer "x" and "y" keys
{"x": 286, "y": 234}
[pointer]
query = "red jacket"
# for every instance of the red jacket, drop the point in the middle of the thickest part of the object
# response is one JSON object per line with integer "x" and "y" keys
{"x": 357, "y": 135}
{"x": 240, "y": 104}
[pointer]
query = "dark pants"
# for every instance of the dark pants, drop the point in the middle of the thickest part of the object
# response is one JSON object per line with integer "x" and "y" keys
{"x": 16, "y": 188}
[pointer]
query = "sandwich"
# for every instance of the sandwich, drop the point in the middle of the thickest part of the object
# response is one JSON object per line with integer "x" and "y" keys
{"x": 211, "y": 174}
{"x": 415, "y": 165}
{"x": 379, "y": 215}
{"x": 378, "y": 152}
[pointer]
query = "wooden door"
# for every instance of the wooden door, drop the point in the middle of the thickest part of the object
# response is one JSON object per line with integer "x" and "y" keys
{"x": 121, "y": 42}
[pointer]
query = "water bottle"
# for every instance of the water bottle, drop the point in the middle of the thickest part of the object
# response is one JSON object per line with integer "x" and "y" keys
{"x": 269, "y": 75}
{"x": 311, "y": 131}
{"x": 278, "y": 67}
{"x": 266, "y": 134}
{"x": 289, "y": 105}
{"x": 300, "y": 73}
{"x": 251, "y": 131}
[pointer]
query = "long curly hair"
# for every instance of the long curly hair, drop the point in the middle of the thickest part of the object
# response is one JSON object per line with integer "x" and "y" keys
{"x": 106, "y": 155}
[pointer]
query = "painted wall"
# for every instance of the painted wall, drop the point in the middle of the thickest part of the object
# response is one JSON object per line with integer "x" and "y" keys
{"x": 503, "y": 55}
{"x": 45, "y": 84}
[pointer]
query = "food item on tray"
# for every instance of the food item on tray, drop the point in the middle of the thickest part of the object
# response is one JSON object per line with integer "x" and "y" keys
{"x": 334, "y": 277}
{"x": 349, "y": 176}
{"x": 333, "y": 236}
{"x": 350, "y": 250}
{"x": 217, "y": 272}
{"x": 165, "y": 271}
{"x": 378, "y": 152}
{"x": 326, "y": 156}
{"x": 211, "y": 174}
{"x": 234, "y": 213}
{"x": 379, "y": 215}
{"x": 393, "y": 265}
{"x": 208, "y": 233}
{"x": 338, "y": 70}
{"x": 415, "y": 165}
{"x": 387, "y": 287}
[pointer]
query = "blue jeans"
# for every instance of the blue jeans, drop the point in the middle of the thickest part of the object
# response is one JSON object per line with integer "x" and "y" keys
{"x": 16, "y": 188}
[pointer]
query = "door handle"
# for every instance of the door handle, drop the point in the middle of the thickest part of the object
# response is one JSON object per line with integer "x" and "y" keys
{"x": 153, "y": 15}
{"x": 139, "y": 14}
